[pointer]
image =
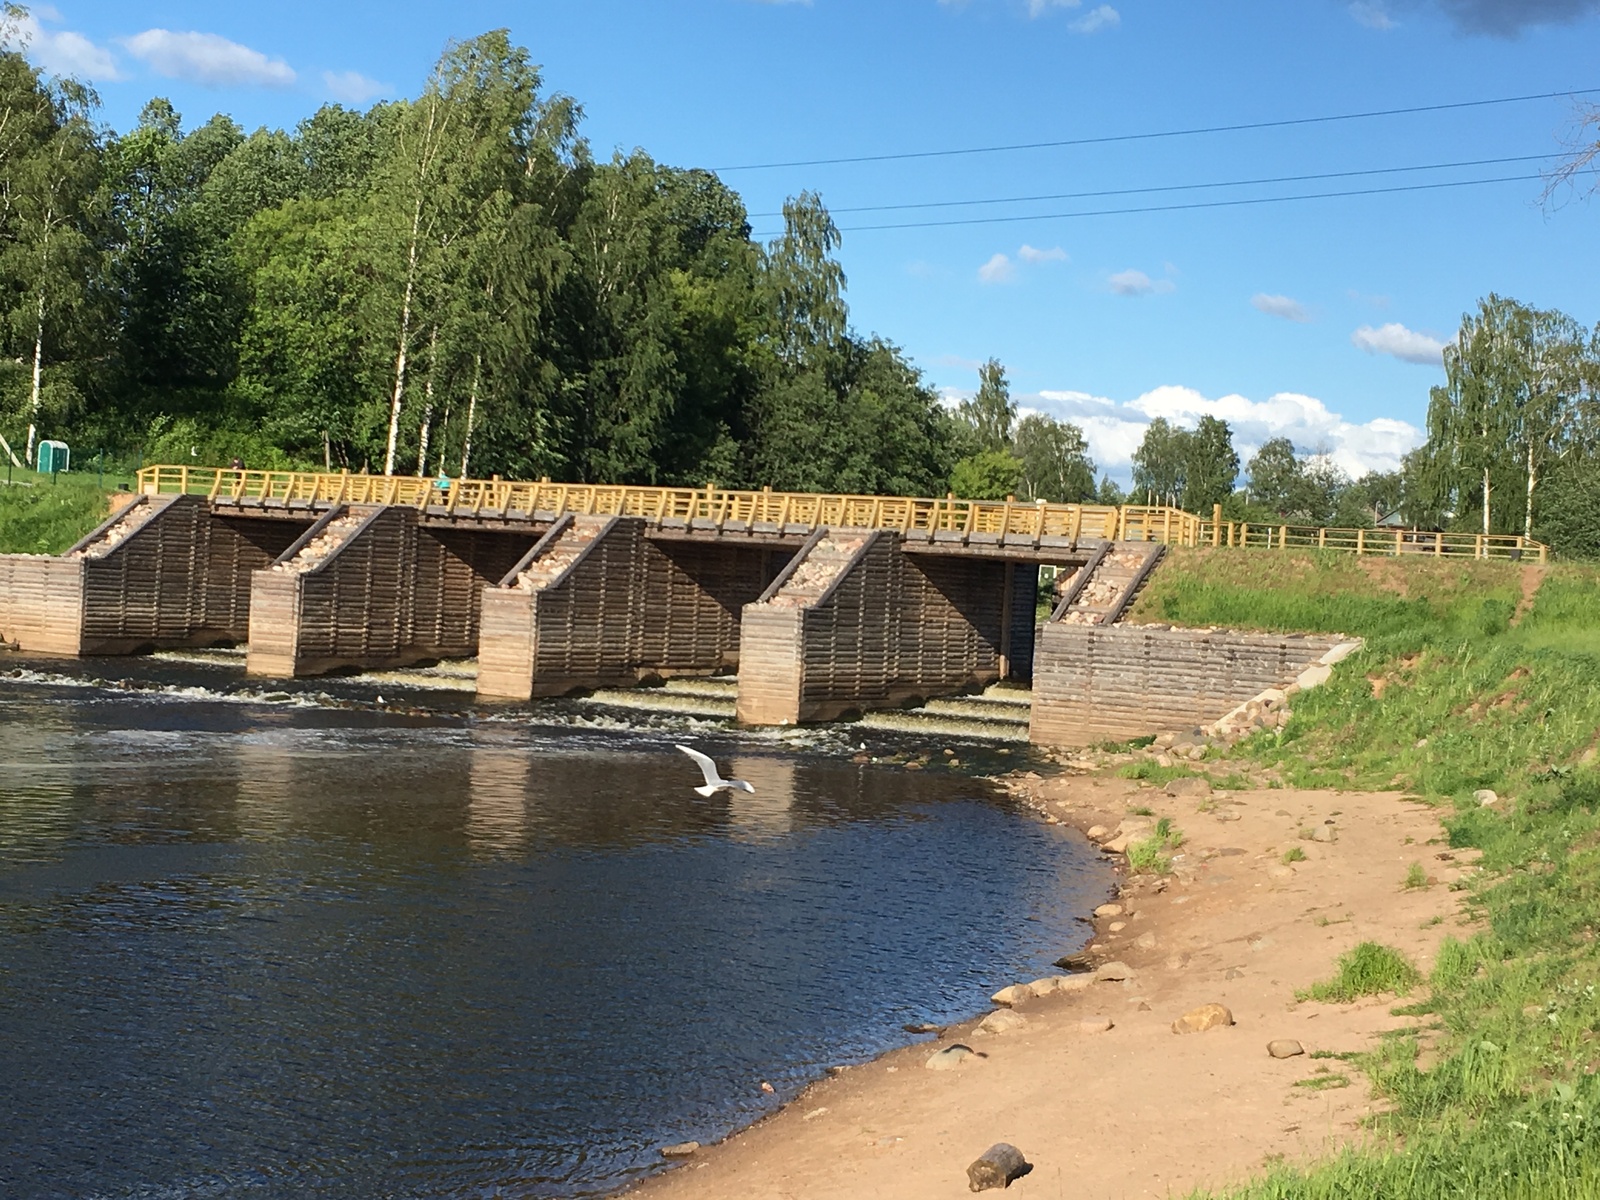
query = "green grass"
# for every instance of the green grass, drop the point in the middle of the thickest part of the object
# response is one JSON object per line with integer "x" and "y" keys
{"x": 50, "y": 515}
{"x": 1150, "y": 856}
{"x": 1416, "y": 877}
{"x": 1293, "y": 855}
{"x": 1449, "y": 696}
{"x": 1370, "y": 969}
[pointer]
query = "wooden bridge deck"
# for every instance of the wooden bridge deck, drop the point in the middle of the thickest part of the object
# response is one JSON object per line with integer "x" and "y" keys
{"x": 959, "y": 526}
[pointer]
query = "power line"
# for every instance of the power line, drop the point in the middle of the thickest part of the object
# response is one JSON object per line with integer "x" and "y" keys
{"x": 1198, "y": 204}
{"x": 1180, "y": 187}
{"x": 1108, "y": 139}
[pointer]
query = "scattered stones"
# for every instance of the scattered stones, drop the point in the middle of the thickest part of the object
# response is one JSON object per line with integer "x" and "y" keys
{"x": 1108, "y": 910}
{"x": 1010, "y": 997}
{"x": 1098, "y": 833}
{"x": 1198, "y": 1020}
{"x": 1325, "y": 833}
{"x": 1073, "y": 983}
{"x": 1118, "y": 926}
{"x": 767, "y": 1087}
{"x": 1145, "y": 941}
{"x": 681, "y": 1150}
{"x": 1075, "y": 962}
{"x": 1486, "y": 797}
{"x": 1002, "y": 1020}
{"x": 1096, "y": 1025}
{"x": 1285, "y": 1048}
{"x": 922, "y": 1027}
{"x": 1113, "y": 972}
{"x": 996, "y": 1167}
{"x": 950, "y": 1058}
{"x": 815, "y": 1113}
{"x": 1280, "y": 873}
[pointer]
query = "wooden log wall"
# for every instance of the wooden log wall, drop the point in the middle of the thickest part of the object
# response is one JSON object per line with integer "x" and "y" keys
{"x": 896, "y": 627}
{"x": 453, "y": 568}
{"x": 353, "y": 609}
{"x": 41, "y": 604}
{"x": 1111, "y": 683}
{"x": 694, "y": 594}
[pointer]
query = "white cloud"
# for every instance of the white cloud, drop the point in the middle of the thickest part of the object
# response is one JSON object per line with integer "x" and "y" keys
{"x": 999, "y": 269}
{"x": 1104, "y": 17}
{"x": 1399, "y": 342}
{"x": 1114, "y": 429}
{"x": 1280, "y": 306}
{"x": 64, "y": 52}
{"x": 1372, "y": 14}
{"x": 1137, "y": 283}
{"x": 353, "y": 87}
{"x": 1031, "y": 254}
{"x": 207, "y": 58}
{"x": 1038, "y": 8}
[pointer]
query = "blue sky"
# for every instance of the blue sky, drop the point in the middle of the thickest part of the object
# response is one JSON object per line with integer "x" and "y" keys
{"x": 1320, "y": 320}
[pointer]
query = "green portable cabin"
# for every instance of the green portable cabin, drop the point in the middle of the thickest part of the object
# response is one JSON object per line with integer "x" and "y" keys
{"x": 53, "y": 457}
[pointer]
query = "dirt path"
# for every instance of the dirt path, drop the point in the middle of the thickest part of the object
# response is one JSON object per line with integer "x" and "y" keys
{"x": 1532, "y": 576}
{"x": 1138, "y": 1110}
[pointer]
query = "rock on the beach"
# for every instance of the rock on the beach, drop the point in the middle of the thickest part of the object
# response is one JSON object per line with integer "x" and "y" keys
{"x": 1198, "y": 1020}
{"x": 1284, "y": 1048}
{"x": 1325, "y": 833}
{"x": 1050, "y": 983}
{"x": 681, "y": 1150}
{"x": 950, "y": 1058}
{"x": 1002, "y": 1020}
{"x": 1073, "y": 983}
{"x": 1098, "y": 833}
{"x": 1095, "y": 1025}
{"x": 1189, "y": 789}
{"x": 996, "y": 1167}
{"x": 1145, "y": 941}
{"x": 1010, "y": 997}
{"x": 1113, "y": 972}
{"x": 1118, "y": 926}
{"x": 1108, "y": 910}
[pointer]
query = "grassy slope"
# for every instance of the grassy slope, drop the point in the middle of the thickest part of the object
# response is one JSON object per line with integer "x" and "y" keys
{"x": 1447, "y": 697}
{"x": 49, "y": 516}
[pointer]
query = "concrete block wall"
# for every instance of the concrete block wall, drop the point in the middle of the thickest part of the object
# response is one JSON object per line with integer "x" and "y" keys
{"x": 1095, "y": 683}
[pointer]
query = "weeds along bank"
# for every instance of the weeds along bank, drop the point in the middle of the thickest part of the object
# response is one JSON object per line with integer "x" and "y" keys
{"x": 1476, "y": 678}
{"x": 41, "y": 515}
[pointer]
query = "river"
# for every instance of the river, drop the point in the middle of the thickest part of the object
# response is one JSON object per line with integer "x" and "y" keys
{"x": 308, "y": 944}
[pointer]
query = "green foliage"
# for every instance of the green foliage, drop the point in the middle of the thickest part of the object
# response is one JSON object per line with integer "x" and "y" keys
{"x": 1150, "y": 856}
{"x": 48, "y": 516}
{"x": 1055, "y": 461}
{"x": 1293, "y": 855}
{"x": 1416, "y": 877}
{"x": 987, "y": 475}
{"x": 991, "y": 414}
{"x": 1370, "y": 969}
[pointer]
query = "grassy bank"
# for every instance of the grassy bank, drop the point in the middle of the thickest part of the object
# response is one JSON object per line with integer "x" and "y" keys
{"x": 1475, "y": 676}
{"x": 50, "y": 515}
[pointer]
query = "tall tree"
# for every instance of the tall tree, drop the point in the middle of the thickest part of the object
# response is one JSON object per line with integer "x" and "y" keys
{"x": 1161, "y": 463}
{"x": 991, "y": 414}
{"x": 1274, "y": 475}
{"x": 1055, "y": 461}
{"x": 1210, "y": 465}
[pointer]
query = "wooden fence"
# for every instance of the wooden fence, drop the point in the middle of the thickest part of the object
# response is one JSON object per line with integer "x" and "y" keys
{"x": 909, "y": 515}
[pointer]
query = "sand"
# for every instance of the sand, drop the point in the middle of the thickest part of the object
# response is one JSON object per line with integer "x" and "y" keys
{"x": 1138, "y": 1110}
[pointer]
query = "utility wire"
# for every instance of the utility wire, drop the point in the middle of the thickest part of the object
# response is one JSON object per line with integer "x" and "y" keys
{"x": 1180, "y": 187}
{"x": 1198, "y": 204}
{"x": 1287, "y": 123}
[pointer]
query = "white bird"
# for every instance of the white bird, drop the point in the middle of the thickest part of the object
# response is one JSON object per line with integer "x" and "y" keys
{"x": 714, "y": 780}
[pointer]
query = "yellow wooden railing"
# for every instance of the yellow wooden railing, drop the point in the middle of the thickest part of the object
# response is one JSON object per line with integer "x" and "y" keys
{"x": 1129, "y": 522}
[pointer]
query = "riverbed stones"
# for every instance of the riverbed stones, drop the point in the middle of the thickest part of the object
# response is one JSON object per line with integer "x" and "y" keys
{"x": 1207, "y": 1016}
{"x": 1285, "y": 1048}
{"x": 1098, "y": 833}
{"x": 680, "y": 1150}
{"x": 1189, "y": 789}
{"x": 1108, "y": 910}
{"x": 1002, "y": 1020}
{"x": 996, "y": 1167}
{"x": 1113, "y": 972}
{"x": 1050, "y": 983}
{"x": 1325, "y": 833}
{"x": 1095, "y": 1025}
{"x": 950, "y": 1058}
{"x": 1145, "y": 941}
{"x": 1010, "y": 997}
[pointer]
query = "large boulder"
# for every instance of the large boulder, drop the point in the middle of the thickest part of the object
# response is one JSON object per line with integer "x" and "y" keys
{"x": 1207, "y": 1016}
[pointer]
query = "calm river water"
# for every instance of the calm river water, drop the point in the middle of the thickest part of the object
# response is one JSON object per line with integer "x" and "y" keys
{"x": 290, "y": 950}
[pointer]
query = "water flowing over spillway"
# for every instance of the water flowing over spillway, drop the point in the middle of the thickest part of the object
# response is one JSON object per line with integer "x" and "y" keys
{"x": 258, "y": 945}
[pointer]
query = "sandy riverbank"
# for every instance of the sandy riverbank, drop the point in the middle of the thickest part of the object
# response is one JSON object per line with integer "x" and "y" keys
{"x": 1138, "y": 1110}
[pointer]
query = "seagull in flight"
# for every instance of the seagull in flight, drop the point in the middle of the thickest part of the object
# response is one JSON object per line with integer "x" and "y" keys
{"x": 714, "y": 780}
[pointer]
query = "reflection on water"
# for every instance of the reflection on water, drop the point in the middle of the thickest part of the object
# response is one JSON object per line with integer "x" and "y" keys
{"x": 300, "y": 952}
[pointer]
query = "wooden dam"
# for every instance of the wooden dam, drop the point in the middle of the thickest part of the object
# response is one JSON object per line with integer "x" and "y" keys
{"x": 826, "y": 606}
